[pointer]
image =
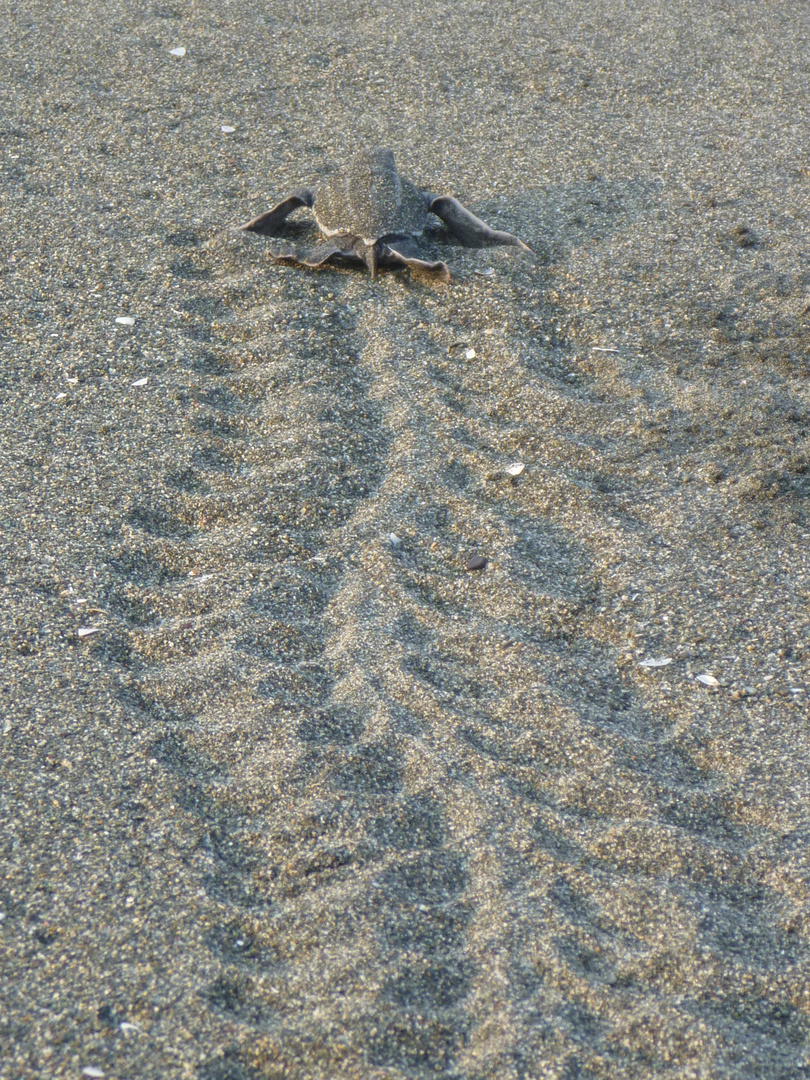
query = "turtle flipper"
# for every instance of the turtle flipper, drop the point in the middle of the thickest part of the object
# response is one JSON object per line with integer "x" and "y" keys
{"x": 466, "y": 227}
{"x": 335, "y": 252}
{"x": 271, "y": 221}
{"x": 404, "y": 251}
{"x": 330, "y": 252}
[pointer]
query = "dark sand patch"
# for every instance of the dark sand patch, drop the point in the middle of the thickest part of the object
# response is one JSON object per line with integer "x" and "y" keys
{"x": 311, "y": 804}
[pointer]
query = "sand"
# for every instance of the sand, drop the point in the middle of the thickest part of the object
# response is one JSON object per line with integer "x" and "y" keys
{"x": 303, "y": 802}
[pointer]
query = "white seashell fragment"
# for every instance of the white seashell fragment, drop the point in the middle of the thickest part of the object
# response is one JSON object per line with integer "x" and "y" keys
{"x": 515, "y": 469}
{"x": 86, "y": 631}
{"x": 92, "y": 1070}
{"x": 655, "y": 663}
{"x": 469, "y": 354}
{"x": 71, "y": 380}
{"x": 489, "y": 272}
{"x": 179, "y": 51}
{"x": 394, "y": 540}
{"x": 707, "y": 680}
{"x": 227, "y": 130}
{"x": 141, "y": 382}
{"x": 125, "y": 320}
{"x": 127, "y": 1027}
{"x": 60, "y": 396}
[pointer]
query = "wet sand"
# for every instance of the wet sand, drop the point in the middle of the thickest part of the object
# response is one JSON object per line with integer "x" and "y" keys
{"x": 282, "y": 799}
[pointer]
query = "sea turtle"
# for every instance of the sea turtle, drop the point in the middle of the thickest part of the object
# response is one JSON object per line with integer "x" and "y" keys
{"x": 372, "y": 216}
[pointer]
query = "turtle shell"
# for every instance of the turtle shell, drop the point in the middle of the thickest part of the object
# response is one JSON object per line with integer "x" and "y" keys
{"x": 369, "y": 199}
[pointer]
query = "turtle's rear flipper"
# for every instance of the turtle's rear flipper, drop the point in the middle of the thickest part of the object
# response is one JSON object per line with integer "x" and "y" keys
{"x": 466, "y": 227}
{"x": 270, "y": 222}
{"x": 330, "y": 252}
{"x": 405, "y": 252}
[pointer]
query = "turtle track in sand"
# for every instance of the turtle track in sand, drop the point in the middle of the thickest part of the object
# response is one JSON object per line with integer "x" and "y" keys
{"x": 300, "y": 804}
{"x": 439, "y": 824}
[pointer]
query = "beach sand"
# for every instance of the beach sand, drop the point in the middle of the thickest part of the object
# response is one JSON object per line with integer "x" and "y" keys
{"x": 303, "y": 802}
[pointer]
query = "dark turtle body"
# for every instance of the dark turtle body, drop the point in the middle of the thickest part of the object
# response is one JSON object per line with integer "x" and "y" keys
{"x": 372, "y": 216}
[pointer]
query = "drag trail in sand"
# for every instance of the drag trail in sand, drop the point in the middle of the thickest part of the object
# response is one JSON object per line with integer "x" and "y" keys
{"x": 313, "y": 799}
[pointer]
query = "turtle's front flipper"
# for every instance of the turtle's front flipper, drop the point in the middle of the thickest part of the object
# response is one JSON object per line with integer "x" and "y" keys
{"x": 270, "y": 222}
{"x": 467, "y": 228}
{"x": 405, "y": 252}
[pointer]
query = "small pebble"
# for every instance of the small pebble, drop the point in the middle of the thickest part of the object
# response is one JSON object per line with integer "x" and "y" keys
{"x": 469, "y": 354}
{"x": 476, "y": 562}
{"x": 394, "y": 540}
{"x": 744, "y": 236}
{"x": 516, "y": 469}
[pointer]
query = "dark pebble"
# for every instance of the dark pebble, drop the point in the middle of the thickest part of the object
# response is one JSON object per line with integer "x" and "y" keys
{"x": 744, "y": 236}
